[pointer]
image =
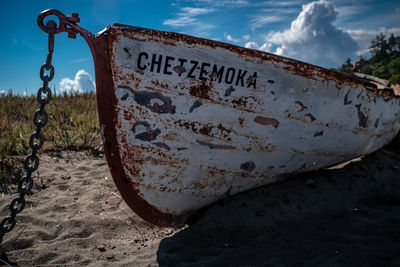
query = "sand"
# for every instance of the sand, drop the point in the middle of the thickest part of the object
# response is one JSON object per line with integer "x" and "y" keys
{"x": 347, "y": 215}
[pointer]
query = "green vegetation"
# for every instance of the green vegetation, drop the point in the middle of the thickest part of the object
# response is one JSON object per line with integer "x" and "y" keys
{"x": 346, "y": 67}
{"x": 73, "y": 124}
{"x": 395, "y": 79}
{"x": 384, "y": 62}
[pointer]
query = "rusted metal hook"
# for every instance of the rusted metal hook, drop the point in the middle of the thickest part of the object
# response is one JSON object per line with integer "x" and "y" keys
{"x": 67, "y": 24}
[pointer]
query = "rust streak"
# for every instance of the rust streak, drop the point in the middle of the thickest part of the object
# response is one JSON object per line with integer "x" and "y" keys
{"x": 206, "y": 130}
{"x": 241, "y": 120}
{"x": 215, "y": 146}
{"x": 310, "y": 116}
{"x": 267, "y": 121}
{"x": 301, "y": 105}
{"x": 201, "y": 90}
{"x": 163, "y": 145}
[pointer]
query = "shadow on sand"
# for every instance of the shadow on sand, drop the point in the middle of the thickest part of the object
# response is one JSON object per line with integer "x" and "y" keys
{"x": 342, "y": 216}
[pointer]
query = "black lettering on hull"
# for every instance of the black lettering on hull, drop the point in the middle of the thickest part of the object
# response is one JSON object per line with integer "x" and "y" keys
{"x": 139, "y": 61}
{"x": 230, "y": 74}
{"x": 154, "y": 62}
{"x": 170, "y": 65}
{"x": 194, "y": 65}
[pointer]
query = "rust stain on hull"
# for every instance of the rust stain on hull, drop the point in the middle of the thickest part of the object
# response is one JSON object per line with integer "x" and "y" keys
{"x": 215, "y": 146}
{"x": 267, "y": 121}
{"x": 202, "y": 90}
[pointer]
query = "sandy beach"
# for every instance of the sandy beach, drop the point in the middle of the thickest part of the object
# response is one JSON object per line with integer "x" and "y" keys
{"x": 348, "y": 215}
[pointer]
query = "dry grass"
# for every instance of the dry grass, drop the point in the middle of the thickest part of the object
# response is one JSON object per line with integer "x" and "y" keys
{"x": 73, "y": 125}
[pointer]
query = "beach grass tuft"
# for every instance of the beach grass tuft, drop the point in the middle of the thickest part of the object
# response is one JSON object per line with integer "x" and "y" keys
{"x": 72, "y": 125}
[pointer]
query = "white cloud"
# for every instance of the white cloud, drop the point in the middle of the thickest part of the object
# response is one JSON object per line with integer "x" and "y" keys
{"x": 313, "y": 38}
{"x": 180, "y": 21}
{"x": 187, "y": 17}
{"x": 253, "y": 45}
{"x": 82, "y": 83}
{"x": 272, "y": 15}
{"x": 230, "y": 38}
{"x": 195, "y": 11}
{"x": 262, "y": 20}
{"x": 266, "y": 47}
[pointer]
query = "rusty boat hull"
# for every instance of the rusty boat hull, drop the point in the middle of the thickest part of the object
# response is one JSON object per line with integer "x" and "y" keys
{"x": 187, "y": 121}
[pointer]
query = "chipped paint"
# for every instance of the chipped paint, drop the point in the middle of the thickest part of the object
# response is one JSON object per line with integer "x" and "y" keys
{"x": 163, "y": 145}
{"x": 248, "y": 166}
{"x": 346, "y": 101}
{"x": 148, "y": 99}
{"x": 147, "y": 135}
{"x": 267, "y": 121}
{"x": 215, "y": 146}
{"x": 362, "y": 119}
{"x": 319, "y": 133}
{"x": 195, "y": 105}
{"x": 229, "y": 91}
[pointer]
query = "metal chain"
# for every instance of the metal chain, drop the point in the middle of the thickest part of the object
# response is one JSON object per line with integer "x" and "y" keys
{"x": 36, "y": 140}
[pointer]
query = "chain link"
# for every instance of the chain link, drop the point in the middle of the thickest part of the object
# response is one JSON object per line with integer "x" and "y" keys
{"x": 36, "y": 140}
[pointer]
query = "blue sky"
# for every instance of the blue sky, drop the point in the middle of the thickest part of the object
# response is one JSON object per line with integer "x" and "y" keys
{"x": 321, "y": 32}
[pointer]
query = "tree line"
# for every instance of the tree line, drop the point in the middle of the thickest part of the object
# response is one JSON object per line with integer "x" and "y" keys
{"x": 384, "y": 62}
